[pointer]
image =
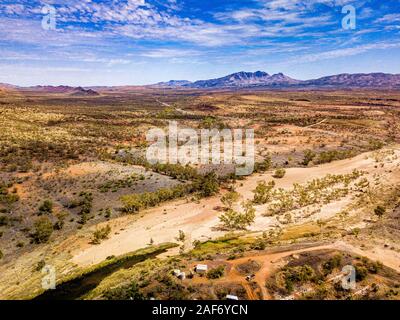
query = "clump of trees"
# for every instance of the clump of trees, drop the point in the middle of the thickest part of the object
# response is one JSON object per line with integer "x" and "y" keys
{"x": 315, "y": 191}
{"x": 204, "y": 186}
{"x": 332, "y": 155}
{"x": 136, "y": 202}
{"x": 234, "y": 220}
{"x": 176, "y": 171}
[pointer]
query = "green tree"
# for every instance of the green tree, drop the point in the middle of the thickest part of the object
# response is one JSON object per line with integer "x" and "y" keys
{"x": 262, "y": 193}
{"x": 229, "y": 198}
{"x": 208, "y": 185}
{"x": 234, "y": 220}
{"x": 43, "y": 228}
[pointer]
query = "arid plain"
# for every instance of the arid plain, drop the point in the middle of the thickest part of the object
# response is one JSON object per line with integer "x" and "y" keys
{"x": 78, "y": 195}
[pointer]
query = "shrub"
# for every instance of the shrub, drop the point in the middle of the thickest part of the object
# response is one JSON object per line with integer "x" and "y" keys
{"x": 45, "y": 208}
{"x": 3, "y": 221}
{"x": 5, "y": 197}
{"x": 20, "y": 244}
{"x": 216, "y": 273}
{"x": 101, "y": 234}
{"x": 1, "y": 255}
{"x": 331, "y": 264}
{"x": 309, "y": 156}
{"x": 130, "y": 292}
{"x": 263, "y": 192}
{"x": 279, "y": 173}
{"x": 379, "y": 211}
{"x": 59, "y": 224}
{"x": 86, "y": 200}
{"x": 212, "y": 123}
{"x": 259, "y": 244}
{"x": 297, "y": 275}
{"x": 229, "y": 198}
{"x": 361, "y": 272}
{"x": 43, "y": 228}
{"x": 263, "y": 166}
{"x": 207, "y": 185}
{"x": 40, "y": 265}
{"x": 181, "y": 236}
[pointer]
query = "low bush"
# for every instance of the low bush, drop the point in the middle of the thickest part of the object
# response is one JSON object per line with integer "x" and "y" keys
{"x": 263, "y": 192}
{"x": 216, "y": 273}
{"x": 45, "y": 208}
{"x": 279, "y": 173}
{"x": 101, "y": 234}
{"x": 43, "y": 228}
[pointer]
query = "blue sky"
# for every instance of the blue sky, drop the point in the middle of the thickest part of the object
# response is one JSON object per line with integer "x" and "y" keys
{"x": 120, "y": 42}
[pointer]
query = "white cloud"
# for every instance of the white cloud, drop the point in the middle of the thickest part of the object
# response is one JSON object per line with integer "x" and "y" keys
{"x": 169, "y": 53}
{"x": 389, "y": 18}
{"x": 346, "y": 52}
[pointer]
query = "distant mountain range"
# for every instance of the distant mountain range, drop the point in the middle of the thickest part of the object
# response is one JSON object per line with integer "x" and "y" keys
{"x": 73, "y": 91}
{"x": 239, "y": 80}
{"x": 264, "y": 80}
{"x": 246, "y": 79}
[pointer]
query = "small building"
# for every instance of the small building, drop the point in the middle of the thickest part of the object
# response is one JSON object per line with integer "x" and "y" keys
{"x": 176, "y": 272}
{"x": 182, "y": 276}
{"x": 201, "y": 268}
{"x": 231, "y": 297}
